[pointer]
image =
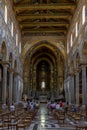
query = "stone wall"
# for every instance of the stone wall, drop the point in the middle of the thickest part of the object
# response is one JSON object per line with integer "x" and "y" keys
{"x": 11, "y": 37}
{"x": 76, "y": 67}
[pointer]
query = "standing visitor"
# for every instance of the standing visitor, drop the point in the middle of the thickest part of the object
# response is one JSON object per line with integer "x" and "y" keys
{"x": 48, "y": 107}
{"x": 25, "y": 104}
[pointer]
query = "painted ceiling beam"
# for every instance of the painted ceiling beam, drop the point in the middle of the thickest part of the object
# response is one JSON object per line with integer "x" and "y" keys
{"x": 44, "y": 31}
{"x": 31, "y": 24}
{"x": 45, "y": 6}
{"x": 44, "y": 16}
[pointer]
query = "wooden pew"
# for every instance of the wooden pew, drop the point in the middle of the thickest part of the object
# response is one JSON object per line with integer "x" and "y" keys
{"x": 81, "y": 127}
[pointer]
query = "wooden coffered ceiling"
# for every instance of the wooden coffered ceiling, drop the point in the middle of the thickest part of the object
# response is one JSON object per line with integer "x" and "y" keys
{"x": 44, "y": 16}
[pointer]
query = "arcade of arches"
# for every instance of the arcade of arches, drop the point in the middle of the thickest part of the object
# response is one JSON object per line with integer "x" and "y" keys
{"x": 43, "y": 50}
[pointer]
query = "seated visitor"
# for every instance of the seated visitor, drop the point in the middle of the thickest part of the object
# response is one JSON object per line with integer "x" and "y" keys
{"x": 57, "y": 106}
{"x": 12, "y": 108}
{"x": 31, "y": 105}
{"x": 74, "y": 108}
{"x": 61, "y": 104}
{"x": 52, "y": 105}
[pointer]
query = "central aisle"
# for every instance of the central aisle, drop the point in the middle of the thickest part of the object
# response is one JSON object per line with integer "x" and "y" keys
{"x": 43, "y": 121}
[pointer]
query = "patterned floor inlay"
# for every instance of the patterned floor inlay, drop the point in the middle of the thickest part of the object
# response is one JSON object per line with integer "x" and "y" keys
{"x": 31, "y": 126}
{"x": 48, "y": 126}
{"x": 43, "y": 121}
{"x": 35, "y": 127}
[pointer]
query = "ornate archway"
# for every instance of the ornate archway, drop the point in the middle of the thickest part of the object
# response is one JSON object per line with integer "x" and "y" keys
{"x": 44, "y": 63}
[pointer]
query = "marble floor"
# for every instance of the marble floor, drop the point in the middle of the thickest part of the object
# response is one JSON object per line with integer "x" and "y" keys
{"x": 43, "y": 121}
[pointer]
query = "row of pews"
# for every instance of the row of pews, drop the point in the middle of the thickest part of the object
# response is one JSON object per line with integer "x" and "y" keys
{"x": 18, "y": 119}
{"x": 59, "y": 115}
{"x": 79, "y": 118}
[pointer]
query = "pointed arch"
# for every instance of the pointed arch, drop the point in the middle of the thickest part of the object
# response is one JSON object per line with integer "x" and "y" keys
{"x": 3, "y": 51}
{"x": 39, "y": 42}
{"x": 15, "y": 64}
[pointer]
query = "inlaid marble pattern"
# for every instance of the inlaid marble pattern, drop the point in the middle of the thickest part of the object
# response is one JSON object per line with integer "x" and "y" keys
{"x": 43, "y": 121}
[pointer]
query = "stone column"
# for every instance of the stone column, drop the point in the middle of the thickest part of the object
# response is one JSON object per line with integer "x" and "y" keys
{"x": 72, "y": 89}
{"x": 84, "y": 89}
{"x": 4, "y": 85}
{"x": 10, "y": 87}
{"x": 51, "y": 84}
{"x": 15, "y": 97}
{"x": 77, "y": 88}
{"x": 34, "y": 82}
{"x": 67, "y": 91}
{"x": 69, "y": 88}
{"x": 52, "y": 96}
{"x": 67, "y": 94}
{"x": 19, "y": 88}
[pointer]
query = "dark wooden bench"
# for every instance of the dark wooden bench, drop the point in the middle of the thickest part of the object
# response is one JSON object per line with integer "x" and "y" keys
{"x": 81, "y": 127}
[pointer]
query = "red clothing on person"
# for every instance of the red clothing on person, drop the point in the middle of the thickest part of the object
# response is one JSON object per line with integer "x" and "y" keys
{"x": 61, "y": 104}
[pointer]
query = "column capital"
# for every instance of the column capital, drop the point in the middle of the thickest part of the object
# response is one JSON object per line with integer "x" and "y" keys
{"x": 16, "y": 73}
{"x": 83, "y": 66}
{"x": 77, "y": 70}
{"x": 71, "y": 74}
{"x": 5, "y": 63}
{"x": 82, "y": 63}
{"x": 10, "y": 70}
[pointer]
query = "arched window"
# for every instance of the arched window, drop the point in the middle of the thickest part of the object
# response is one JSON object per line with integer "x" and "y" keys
{"x": 6, "y": 14}
{"x": 71, "y": 41}
{"x": 16, "y": 39}
{"x": 67, "y": 47}
{"x": 83, "y": 14}
{"x": 76, "y": 29}
{"x": 12, "y": 29}
{"x": 20, "y": 47}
